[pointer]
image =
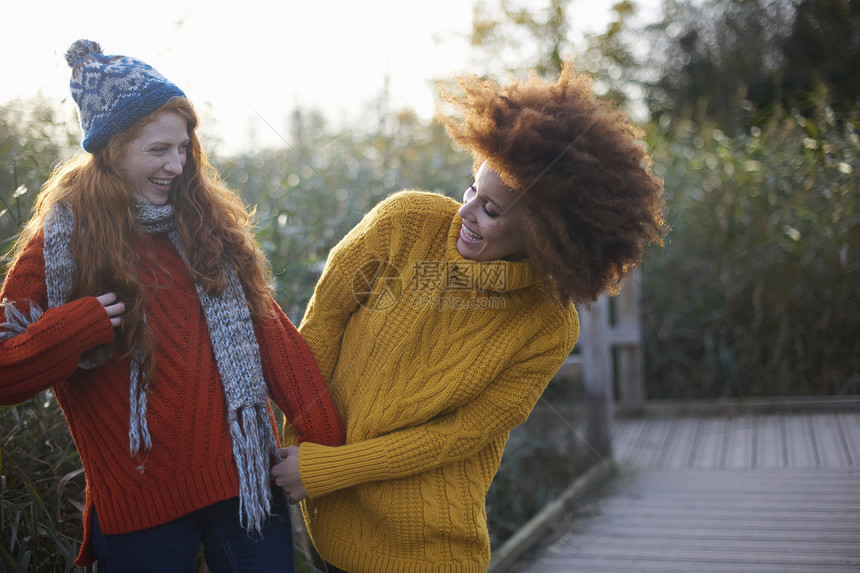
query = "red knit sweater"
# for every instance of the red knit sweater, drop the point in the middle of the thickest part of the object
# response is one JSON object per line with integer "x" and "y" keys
{"x": 190, "y": 465}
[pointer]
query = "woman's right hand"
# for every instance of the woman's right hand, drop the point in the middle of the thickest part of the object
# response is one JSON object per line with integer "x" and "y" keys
{"x": 287, "y": 476}
{"x": 113, "y": 308}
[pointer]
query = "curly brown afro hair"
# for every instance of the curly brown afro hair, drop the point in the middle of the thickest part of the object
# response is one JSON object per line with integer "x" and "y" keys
{"x": 590, "y": 201}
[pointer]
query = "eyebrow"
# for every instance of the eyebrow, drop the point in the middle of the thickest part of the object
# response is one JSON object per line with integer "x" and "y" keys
{"x": 168, "y": 143}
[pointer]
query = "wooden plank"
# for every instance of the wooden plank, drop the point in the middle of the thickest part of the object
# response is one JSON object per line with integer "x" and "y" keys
{"x": 704, "y": 549}
{"x": 753, "y": 520}
{"x": 609, "y": 565}
{"x": 830, "y": 442}
{"x": 800, "y": 451}
{"x": 770, "y": 443}
{"x": 624, "y": 440}
{"x": 635, "y": 454}
{"x": 850, "y": 424}
{"x": 740, "y": 442}
{"x": 679, "y": 444}
{"x": 709, "y": 444}
{"x": 807, "y": 481}
{"x": 650, "y": 444}
{"x": 660, "y": 533}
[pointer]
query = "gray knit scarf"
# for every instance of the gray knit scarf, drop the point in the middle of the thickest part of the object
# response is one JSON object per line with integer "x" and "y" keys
{"x": 236, "y": 353}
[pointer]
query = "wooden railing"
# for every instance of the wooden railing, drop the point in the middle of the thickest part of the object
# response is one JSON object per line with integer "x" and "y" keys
{"x": 609, "y": 360}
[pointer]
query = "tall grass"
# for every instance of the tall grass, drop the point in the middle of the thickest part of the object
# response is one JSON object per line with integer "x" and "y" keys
{"x": 41, "y": 488}
{"x": 756, "y": 291}
{"x": 33, "y": 137}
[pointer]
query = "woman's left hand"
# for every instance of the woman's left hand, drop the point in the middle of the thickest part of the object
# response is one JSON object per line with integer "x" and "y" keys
{"x": 286, "y": 474}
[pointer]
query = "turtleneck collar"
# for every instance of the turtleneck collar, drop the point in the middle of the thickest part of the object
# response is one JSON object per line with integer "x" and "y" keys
{"x": 497, "y": 276}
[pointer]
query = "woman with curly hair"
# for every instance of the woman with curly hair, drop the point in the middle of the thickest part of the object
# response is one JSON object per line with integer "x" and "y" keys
{"x": 437, "y": 325}
{"x": 138, "y": 294}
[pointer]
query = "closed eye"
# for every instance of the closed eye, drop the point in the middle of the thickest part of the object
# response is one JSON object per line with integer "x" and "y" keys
{"x": 489, "y": 213}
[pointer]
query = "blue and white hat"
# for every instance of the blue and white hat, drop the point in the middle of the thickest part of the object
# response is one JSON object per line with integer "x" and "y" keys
{"x": 113, "y": 92}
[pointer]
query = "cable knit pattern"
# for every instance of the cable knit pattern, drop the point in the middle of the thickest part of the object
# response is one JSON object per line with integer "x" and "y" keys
{"x": 431, "y": 360}
{"x": 191, "y": 463}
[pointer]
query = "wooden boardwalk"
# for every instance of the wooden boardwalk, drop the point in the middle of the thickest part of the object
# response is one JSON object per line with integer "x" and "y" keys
{"x": 775, "y": 493}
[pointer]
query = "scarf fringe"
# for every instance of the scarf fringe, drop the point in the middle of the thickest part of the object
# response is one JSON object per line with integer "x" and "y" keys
{"x": 16, "y": 323}
{"x": 138, "y": 429}
{"x": 253, "y": 448}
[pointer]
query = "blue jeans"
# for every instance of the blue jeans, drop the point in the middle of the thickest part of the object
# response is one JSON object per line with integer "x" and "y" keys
{"x": 227, "y": 547}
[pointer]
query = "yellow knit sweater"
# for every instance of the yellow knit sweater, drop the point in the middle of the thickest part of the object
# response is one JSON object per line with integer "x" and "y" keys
{"x": 431, "y": 359}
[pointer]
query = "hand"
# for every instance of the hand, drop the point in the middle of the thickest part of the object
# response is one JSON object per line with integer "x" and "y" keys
{"x": 286, "y": 475}
{"x": 114, "y": 309}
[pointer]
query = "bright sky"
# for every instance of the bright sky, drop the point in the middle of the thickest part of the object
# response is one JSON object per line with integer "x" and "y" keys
{"x": 247, "y": 65}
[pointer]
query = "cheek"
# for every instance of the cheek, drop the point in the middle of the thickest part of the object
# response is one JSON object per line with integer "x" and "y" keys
{"x": 130, "y": 170}
{"x": 511, "y": 233}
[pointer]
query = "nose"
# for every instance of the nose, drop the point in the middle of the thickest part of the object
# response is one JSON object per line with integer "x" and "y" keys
{"x": 175, "y": 162}
{"x": 464, "y": 210}
{"x": 467, "y": 203}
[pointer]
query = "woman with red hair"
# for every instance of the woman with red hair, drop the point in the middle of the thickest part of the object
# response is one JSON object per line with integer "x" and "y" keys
{"x": 139, "y": 296}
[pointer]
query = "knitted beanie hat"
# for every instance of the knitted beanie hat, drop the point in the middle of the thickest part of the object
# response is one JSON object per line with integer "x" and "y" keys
{"x": 113, "y": 92}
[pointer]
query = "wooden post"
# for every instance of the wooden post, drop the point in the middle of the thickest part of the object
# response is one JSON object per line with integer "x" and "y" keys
{"x": 626, "y": 339}
{"x": 611, "y": 361}
{"x": 597, "y": 376}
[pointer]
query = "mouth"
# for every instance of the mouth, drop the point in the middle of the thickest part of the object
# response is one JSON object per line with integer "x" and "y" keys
{"x": 468, "y": 235}
{"x": 163, "y": 183}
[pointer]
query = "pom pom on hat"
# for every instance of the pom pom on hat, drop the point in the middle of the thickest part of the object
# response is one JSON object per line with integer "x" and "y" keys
{"x": 81, "y": 49}
{"x": 113, "y": 92}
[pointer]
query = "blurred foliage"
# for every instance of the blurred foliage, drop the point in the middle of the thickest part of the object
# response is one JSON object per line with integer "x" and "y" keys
{"x": 517, "y": 37}
{"x": 708, "y": 57}
{"x": 41, "y": 488}
{"x": 33, "y": 137}
{"x": 509, "y": 31}
{"x": 309, "y": 193}
{"x": 755, "y": 293}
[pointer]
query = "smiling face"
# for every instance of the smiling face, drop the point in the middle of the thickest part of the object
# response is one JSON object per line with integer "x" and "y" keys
{"x": 155, "y": 156}
{"x": 492, "y": 220}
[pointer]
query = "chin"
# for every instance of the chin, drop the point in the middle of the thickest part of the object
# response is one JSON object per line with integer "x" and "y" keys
{"x": 464, "y": 251}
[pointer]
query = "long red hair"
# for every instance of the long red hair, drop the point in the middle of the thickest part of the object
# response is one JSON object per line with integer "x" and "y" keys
{"x": 213, "y": 224}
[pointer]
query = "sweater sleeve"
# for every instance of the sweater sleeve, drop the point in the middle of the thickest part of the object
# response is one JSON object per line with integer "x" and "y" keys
{"x": 338, "y": 293}
{"x": 45, "y": 351}
{"x": 505, "y": 403}
{"x": 295, "y": 383}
